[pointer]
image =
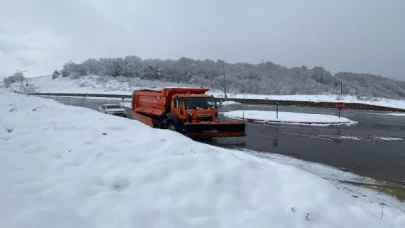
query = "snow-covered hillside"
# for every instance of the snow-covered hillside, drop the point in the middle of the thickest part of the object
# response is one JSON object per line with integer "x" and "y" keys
{"x": 96, "y": 84}
{"x": 64, "y": 166}
{"x": 121, "y": 85}
{"x": 262, "y": 78}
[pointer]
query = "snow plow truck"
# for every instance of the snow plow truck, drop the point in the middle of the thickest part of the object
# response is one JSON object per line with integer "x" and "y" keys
{"x": 186, "y": 110}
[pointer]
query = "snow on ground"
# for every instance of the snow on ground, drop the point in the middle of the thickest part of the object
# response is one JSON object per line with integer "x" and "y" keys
{"x": 393, "y": 211}
{"x": 126, "y": 104}
{"x": 321, "y": 98}
{"x": 96, "y": 84}
{"x": 288, "y": 118}
{"x": 121, "y": 85}
{"x": 64, "y": 166}
{"x": 227, "y": 103}
{"x": 346, "y": 137}
{"x": 389, "y": 139}
{"x": 389, "y": 114}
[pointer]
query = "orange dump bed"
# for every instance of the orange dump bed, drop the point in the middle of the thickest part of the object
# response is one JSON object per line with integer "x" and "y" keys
{"x": 155, "y": 103}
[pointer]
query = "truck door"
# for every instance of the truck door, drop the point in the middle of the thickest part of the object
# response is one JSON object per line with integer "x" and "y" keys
{"x": 179, "y": 108}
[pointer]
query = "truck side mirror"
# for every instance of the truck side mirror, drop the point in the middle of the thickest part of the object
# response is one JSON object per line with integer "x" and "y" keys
{"x": 220, "y": 103}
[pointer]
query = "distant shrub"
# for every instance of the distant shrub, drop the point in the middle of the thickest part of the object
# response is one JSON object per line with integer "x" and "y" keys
{"x": 16, "y": 77}
{"x": 55, "y": 74}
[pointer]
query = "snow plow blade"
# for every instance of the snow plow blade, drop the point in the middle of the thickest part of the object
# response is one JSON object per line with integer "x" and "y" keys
{"x": 225, "y": 129}
{"x": 143, "y": 119}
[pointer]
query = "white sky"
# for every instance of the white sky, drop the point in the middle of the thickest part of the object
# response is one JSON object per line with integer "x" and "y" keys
{"x": 341, "y": 35}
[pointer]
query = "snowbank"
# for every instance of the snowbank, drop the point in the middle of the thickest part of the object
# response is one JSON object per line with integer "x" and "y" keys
{"x": 64, "y": 166}
{"x": 393, "y": 211}
{"x": 289, "y": 118}
{"x": 227, "y": 103}
{"x": 391, "y": 114}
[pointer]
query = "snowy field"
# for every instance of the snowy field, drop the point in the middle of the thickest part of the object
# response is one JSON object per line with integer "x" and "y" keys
{"x": 390, "y": 114}
{"x": 321, "y": 98}
{"x": 65, "y": 166}
{"x": 227, "y": 103}
{"x": 288, "y": 118}
{"x": 96, "y": 84}
{"x": 120, "y": 85}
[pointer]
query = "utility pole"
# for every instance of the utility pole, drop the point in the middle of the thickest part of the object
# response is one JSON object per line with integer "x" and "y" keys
{"x": 223, "y": 65}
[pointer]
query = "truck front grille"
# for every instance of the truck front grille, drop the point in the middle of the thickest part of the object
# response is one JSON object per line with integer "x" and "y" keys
{"x": 200, "y": 128}
{"x": 204, "y": 119}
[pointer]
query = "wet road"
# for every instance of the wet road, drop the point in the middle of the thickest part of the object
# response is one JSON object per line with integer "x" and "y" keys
{"x": 361, "y": 148}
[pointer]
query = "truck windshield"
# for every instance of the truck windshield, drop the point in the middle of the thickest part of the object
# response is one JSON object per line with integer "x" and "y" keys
{"x": 200, "y": 103}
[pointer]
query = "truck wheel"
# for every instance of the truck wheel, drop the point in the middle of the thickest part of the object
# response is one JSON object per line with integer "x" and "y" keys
{"x": 205, "y": 139}
{"x": 161, "y": 125}
{"x": 171, "y": 126}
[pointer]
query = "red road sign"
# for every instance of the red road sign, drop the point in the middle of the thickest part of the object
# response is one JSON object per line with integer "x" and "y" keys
{"x": 339, "y": 105}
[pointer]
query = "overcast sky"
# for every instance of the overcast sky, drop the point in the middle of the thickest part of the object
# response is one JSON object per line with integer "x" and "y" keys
{"x": 365, "y": 36}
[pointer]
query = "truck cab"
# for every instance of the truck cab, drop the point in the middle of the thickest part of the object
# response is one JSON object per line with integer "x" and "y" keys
{"x": 195, "y": 108}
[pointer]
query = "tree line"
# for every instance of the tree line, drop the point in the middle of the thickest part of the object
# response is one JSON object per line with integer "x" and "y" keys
{"x": 262, "y": 78}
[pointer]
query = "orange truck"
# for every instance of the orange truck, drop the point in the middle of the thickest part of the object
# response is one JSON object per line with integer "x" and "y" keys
{"x": 186, "y": 110}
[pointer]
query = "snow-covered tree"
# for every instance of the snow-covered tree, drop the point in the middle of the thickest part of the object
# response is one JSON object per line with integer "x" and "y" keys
{"x": 55, "y": 74}
{"x": 16, "y": 77}
{"x": 92, "y": 66}
{"x": 69, "y": 68}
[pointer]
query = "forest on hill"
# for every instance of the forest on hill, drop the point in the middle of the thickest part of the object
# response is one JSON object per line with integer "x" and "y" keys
{"x": 262, "y": 78}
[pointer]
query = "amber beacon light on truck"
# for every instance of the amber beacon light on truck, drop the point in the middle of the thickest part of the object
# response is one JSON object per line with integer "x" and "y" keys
{"x": 189, "y": 111}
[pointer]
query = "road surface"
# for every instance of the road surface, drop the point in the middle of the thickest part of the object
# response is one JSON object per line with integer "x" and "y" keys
{"x": 361, "y": 148}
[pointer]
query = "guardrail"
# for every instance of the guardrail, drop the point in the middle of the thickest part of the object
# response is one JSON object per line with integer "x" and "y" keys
{"x": 82, "y": 95}
{"x": 357, "y": 106}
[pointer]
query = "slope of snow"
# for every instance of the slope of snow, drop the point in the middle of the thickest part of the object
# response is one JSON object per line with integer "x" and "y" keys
{"x": 393, "y": 211}
{"x": 121, "y": 85}
{"x": 63, "y": 166}
{"x": 288, "y": 117}
{"x": 96, "y": 84}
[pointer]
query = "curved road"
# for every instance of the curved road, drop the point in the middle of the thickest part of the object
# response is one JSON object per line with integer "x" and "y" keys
{"x": 360, "y": 148}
